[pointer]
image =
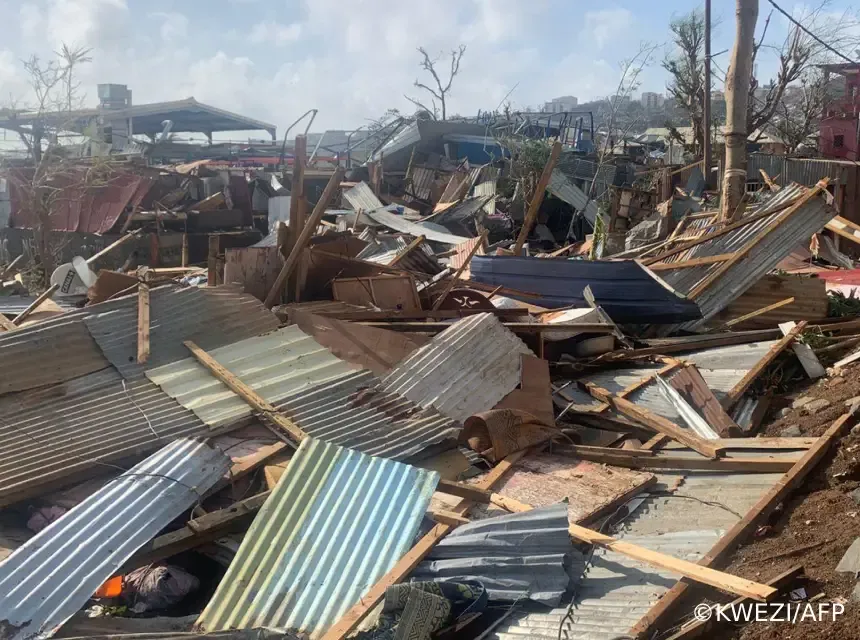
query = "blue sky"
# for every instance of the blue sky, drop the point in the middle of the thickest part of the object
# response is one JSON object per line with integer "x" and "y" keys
{"x": 274, "y": 59}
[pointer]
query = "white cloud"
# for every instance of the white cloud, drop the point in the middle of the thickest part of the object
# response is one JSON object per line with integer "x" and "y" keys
{"x": 174, "y": 25}
{"x": 275, "y": 33}
{"x": 607, "y": 25}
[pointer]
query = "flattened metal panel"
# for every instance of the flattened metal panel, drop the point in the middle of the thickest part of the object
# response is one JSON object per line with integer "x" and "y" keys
{"x": 362, "y": 198}
{"x": 211, "y": 317}
{"x": 337, "y": 521}
{"x": 49, "y": 435}
{"x": 50, "y": 577}
{"x": 352, "y": 411}
{"x": 521, "y": 555}
{"x": 564, "y": 189}
{"x": 275, "y": 366}
{"x": 464, "y": 370}
{"x": 399, "y": 223}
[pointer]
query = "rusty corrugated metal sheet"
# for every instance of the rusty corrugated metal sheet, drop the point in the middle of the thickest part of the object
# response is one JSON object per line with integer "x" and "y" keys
{"x": 44, "y": 582}
{"x": 337, "y": 521}
{"x": 464, "y": 370}
{"x": 53, "y": 435}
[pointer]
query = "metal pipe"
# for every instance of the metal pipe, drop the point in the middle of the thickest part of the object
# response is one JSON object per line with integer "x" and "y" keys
{"x": 287, "y": 132}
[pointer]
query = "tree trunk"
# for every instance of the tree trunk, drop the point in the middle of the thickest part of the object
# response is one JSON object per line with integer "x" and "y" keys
{"x": 737, "y": 95}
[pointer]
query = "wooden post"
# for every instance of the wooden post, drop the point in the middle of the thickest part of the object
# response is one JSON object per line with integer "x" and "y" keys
{"x": 706, "y": 111}
{"x": 26, "y": 312}
{"x": 214, "y": 246}
{"x": 298, "y": 204}
{"x": 184, "y": 250}
{"x": 453, "y": 280}
{"x": 142, "y": 323}
{"x": 307, "y": 232}
{"x": 237, "y": 386}
{"x": 113, "y": 245}
{"x": 737, "y": 96}
{"x": 537, "y": 198}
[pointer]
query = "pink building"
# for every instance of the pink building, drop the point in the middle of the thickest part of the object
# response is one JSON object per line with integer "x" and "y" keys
{"x": 840, "y": 123}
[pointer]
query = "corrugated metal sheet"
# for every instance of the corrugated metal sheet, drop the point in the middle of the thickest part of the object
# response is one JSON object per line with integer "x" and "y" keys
{"x": 51, "y": 435}
{"x": 53, "y": 575}
{"x": 805, "y": 171}
{"x": 521, "y": 555}
{"x": 617, "y": 591}
{"x": 462, "y": 371}
{"x": 275, "y": 365}
{"x": 336, "y": 522}
{"x": 420, "y": 183}
{"x": 13, "y": 305}
{"x": 623, "y": 288}
{"x": 352, "y": 411}
{"x": 211, "y": 317}
{"x": 361, "y": 198}
{"x": 763, "y": 257}
{"x": 399, "y": 223}
{"x": 564, "y": 189}
{"x": 249, "y": 634}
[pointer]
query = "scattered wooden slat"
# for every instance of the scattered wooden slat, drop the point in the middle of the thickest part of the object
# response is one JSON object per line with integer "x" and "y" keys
{"x": 522, "y": 327}
{"x": 11, "y": 266}
{"x": 412, "y": 246}
{"x": 697, "y": 628}
{"x": 6, "y": 324}
{"x": 212, "y": 260}
{"x": 352, "y": 618}
{"x": 661, "y": 612}
{"x": 693, "y": 388}
{"x": 114, "y": 245}
{"x": 142, "y": 323}
{"x": 697, "y": 572}
{"x": 248, "y": 464}
{"x": 656, "y": 442}
{"x": 805, "y": 354}
{"x": 257, "y": 402}
{"x": 646, "y": 380}
{"x": 687, "y": 264}
{"x": 453, "y": 280}
{"x": 759, "y": 312}
{"x": 448, "y": 517}
{"x": 537, "y": 198}
{"x": 45, "y": 295}
{"x": 846, "y": 360}
{"x": 611, "y": 507}
{"x": 744, "y": 383}
{"x": 766, "y": 443}
{"x": 308, "y": 231}
{"x": 667, "y": 348}
{"x": 654, "y": 421}
{"x": 845, "y": 228}
{"x": 644, "y": 459}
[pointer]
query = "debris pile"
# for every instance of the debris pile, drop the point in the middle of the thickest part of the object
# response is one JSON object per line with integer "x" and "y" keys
{"x": 408, "y": 406}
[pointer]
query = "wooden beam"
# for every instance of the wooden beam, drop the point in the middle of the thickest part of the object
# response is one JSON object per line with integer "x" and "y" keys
{"x": 11, "y": 266}
{"x": 744, "y": 383}
{"x": 537, "y": 198}
{"x": 759, "y": 312}
{"x": 304, "y": 238}
{"x": 212, "y": 260}
{"x": 412, "y": 246}
{"x": 699, "y": 573}
{"x": 35, "y": 304}
{"x": 611, "y": 507}
{"x": 352, "y": 618}
{"x": 468, "y": 491}
{"x": 649, "y": 378}
{"x": 114, "y": 245}
{"x": 6, "y": 324}
{"x": 522, "y": 327}
{"x": 654, "y": 421}
{"x": 452, "y": 281}
{"x": 393, "y": 314}
{"x": 697, "y": 628}
{"x": 664, "y": 609}
{"x": 142, "y": 323}
{"x": 447, "y": 517}
{"x": 257, "y": 402}
{"x": 688, "y": 264}
{"x": 742, "y": 253}
{"x": 644, "y": 459}
{"x": 768, "y": 181}
{"x": 845, "y": 228}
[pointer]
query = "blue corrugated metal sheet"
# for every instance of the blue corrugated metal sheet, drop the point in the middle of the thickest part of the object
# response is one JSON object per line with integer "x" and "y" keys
{"x": 521, "y": 555}
{"x": 626, "y": 291}
{"x": 337, "y": 521}
{"x": 49, "y": 578}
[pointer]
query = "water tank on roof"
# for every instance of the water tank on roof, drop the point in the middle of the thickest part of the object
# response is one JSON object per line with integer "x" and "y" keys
{"x": 114, "y": 96}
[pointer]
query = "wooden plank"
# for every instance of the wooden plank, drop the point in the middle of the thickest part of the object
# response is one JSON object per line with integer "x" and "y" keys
{"x": 212, "y": 260}
{"x": 808, "y": 360}
{"x": 385, "y": 292}
{"x": 45, "y": 295}
{"x": 448, "y": 517}
{"x": 847, "y": 360}
{"x": 687, "y": 264}
{"x": 656, "y": 442}
{"x": 537, "y": 198}
{"x": 468, "y": 491}
{"x": 396, "y": 314}
{"x": 257, "y": 402}
{"x": 11, "y": 266}
{"x": 352, "y": 618}
{"x": 690, "y": 384}
{"x": 664, "y": 609}
{"x": 654, "y": 421}
{"x": 699, "y": 573}
{"x": 768, "y": 181}
{"x": 759, "y": 312}
{"x": 641, "y": 459}
{"x": 649, "y": 378}
{"x": 611, "y": 507}
{"x": 304, "y": 238}
{"x": 246, "y": 464}
{"x": 255, "y": 268}
{"x": 697, "y": 628}
{"x": 845, "y": 228}
{"x": 766, "y": 443}
{"x": 453, "y": 280}
{"x": 6, "y": 324}
{"x": 114, "y": 245}
{"x": 412, "y": 246}
{"x": 521, "y": 327}
{"x": 142, "y": 323}
{"x": 742, "y": 253}
{"x": 727, "y": 339}
{"x": 744, "y": 383}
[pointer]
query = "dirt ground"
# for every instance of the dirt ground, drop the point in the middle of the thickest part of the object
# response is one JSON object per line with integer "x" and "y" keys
{"x": 816, "y": 525}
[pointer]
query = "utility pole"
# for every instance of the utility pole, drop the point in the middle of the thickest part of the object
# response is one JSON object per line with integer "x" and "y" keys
{"x": 737, "y": 92}
{"x": 706, "y": 109}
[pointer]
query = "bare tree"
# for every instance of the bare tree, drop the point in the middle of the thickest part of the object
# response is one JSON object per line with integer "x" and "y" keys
{"x": 797, "y": 53}
{"x": 796, "y": 119}
{"x": 687, "y": 72}
{"x": 440, "y": 93}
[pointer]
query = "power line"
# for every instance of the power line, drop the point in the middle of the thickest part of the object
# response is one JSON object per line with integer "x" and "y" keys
{"x": 810, "y": 34}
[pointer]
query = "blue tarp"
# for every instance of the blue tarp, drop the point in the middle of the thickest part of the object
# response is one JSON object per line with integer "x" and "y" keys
{"x": 625, "y": 289}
